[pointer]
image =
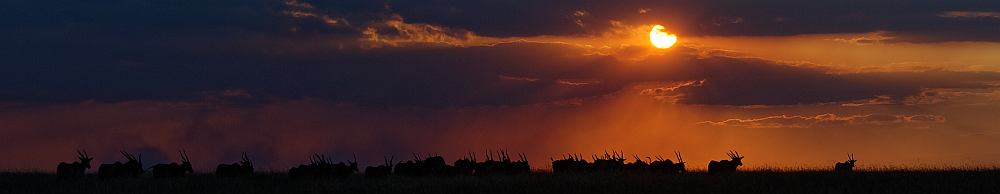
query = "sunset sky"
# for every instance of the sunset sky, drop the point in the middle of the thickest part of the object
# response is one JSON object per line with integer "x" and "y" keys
{"x": 786, "y": 83}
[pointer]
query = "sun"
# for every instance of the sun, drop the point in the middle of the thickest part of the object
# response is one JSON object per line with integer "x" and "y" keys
{"x": 661, "y": 39}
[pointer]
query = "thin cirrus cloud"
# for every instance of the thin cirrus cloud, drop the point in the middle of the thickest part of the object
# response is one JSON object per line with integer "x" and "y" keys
{"x": 829, "y": 120}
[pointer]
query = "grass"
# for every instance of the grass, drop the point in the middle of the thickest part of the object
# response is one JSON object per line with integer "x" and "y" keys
{"x": 754, "y": 181}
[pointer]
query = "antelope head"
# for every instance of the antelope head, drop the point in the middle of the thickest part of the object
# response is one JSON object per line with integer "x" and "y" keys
{"x": 637, "y": 159}
{"x": 186, "y": 162}
{"x": 133, "y": 162}
{"x": 850, "y": 159}
{"x": 84, "y": 158}
{"x": 246, "y": 161}
{"x": 388, "y": 162}
{"x": 736, "y": 158}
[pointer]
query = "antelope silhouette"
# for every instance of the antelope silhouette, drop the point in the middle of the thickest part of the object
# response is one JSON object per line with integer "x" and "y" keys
{"x": 504, "y": 165}
{"x": 667, "y": 166}
{"x": 846, "y": 166}
{"x": 131, "y": 168}
{"x": 638, "y": 165}
{"x": 489, "y": 165}
{"x": 319, "y": 167}
{"x": 571, "y": 163}
{"x": 726, "y": 166}
{"x": 243, "y": 168}
{"x": 520, "y": 166}
{"x": 173, "y": 169}
{"x": 431, "y": 165}
{"x": 466, "y": 165}
{"x": 74, "y": 170}
{"x": 381, "y": 170}
{"x": 413, "y": 167}
{"x": 609, "y": 162}
{"x": 436, "y": 165}
{"x": 342, "y": 170}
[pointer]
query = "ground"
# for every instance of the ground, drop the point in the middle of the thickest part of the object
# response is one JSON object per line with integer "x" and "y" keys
{"x": 761, "y": 181}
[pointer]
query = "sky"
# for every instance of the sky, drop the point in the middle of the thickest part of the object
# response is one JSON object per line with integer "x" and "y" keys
{"x": 788, "y": 84}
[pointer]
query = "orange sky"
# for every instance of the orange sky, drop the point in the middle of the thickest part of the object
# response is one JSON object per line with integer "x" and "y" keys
{"x": 391, "y": 86}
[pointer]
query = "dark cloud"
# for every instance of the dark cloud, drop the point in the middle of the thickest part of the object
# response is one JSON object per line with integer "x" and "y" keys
{"x": 715, "y": 18}
{"x": 918, "y": 21}
{"x": 452, "y": 76}
{"x": 114, "y": 51}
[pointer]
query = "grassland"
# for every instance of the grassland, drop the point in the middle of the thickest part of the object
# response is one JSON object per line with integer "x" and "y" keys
{"x": 757, "y": 181}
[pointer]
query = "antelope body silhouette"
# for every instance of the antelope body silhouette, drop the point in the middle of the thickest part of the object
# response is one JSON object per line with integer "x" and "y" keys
{"x": 74, "y": 170}
{"x": 342, "y": 170}
{"x": 846, "y": 166}
{"x": 243, "y": 168}
{"x": 571, "y": 163}
{"x": 667, "y": 166}
{"x": 638, "y": 166}
{"x": 726, "y": 166}
{"x": 381, "y": 170}
{"x": 609, "y": 162}
{"x": 173, "y": 170}
{"x": 320, "y": 167}
{"x": 131, "y": 168}
{"x": 466, "y": 165}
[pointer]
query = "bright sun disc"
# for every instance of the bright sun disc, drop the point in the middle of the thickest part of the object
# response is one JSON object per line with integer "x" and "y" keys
{"x": 661, "y": 39}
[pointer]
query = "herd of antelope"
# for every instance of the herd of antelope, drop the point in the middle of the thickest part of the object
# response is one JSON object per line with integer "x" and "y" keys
{"x": 497, "y": 162}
